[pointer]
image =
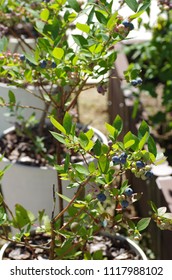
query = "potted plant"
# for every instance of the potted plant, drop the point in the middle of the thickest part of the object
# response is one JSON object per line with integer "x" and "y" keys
{"x": 154, "y": 94}
{"x": 59, "y": 67}
{"x": 66, "y": 70}
{"x": 99, "y": 213}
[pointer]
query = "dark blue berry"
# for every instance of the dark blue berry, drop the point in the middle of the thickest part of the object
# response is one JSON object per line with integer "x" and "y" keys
{"x": 53, "y": 65}
{"x": 22, "y": 57}
{"x": 128, "y": 24}
{"x": 131, "y": 26}
{"x": 101, "y": 89}
{"x": 124, "y": 203}
{"x": 134, "y": 83}
{"x": 149, "y": 174}
{"x": 140, "y": 164}
{"x": 43, "y": 64}
{"x": 116, "y": 159}
{"x": 139, "y": 81}
{"x": 128, "y": 191}
{"x": 101, "y": 197}
{"x": 124, "y": 155}
{"x": 122, "y": 160}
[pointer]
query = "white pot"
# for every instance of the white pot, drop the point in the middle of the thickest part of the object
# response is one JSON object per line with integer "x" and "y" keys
{"x": 14, "y": 45}
{"x": 24, "y": 98}
{"x": 132, "y": 245}
{"x": 32, "y": 187}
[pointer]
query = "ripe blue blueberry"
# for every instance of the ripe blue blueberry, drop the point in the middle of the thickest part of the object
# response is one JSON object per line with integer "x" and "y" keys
{"x": 128, "y": 191}
{"x": 139, "y": 81}
{"x": 134, "y": 83}
{"x": 101, "y": 89}
{"x": 122, "y": 160}
{"x": 131, "y": 26}
{"x": 43, "y": 64}
{"x": 116, "y": 160}
{"x": 149, "y": 174}
{"x": 22, "y": 57}
{"x": 124, "y": 204}
{"x": 124, "y": 155}
{"x": 101, "y": 197}
{"x": 53, "y": 65}
{"x": 140, "y": 164}
{"x": 128, "y": 24}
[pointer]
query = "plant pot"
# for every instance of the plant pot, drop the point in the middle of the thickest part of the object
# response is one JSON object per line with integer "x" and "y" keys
{"x": 117, "y": 247}
{"x": 32, "y": 186}
{"x": 26, "y": 99}
{"x": 15, "y": 47}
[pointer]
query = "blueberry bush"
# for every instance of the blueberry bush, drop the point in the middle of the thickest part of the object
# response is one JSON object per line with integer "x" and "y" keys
{"x": 65, "y": 62}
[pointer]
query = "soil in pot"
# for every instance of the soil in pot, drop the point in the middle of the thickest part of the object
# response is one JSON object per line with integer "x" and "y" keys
{"x": 113, "y": 248}
{"x": 27, "y": 149}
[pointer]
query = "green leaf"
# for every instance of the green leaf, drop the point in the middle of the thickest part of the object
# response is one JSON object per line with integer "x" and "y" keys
{"x": 83, "y": 139}
{"x": 145, "y": 6}
{"x": 112, "y": 21}
{"x": 131, "y": 224}
{"x": 79, "y": 204}
{"x": 74, "y": 5}
{"x": 103, "y": 164}
{"x": 2, "y": 101}
{"x": 57, "y": 125}
{"x": 143, "y": 223}
{"x": 91, "y": 167}
{"x": 112, "y": 131}
{"x": 143, "y": 140}
{"x": 12, "y": 98}
{"x": 81, "y": 169}
{"x": 132, "y": 4}
{"x": 28, "y": 75}
{"x": 118, "y": 124}
{"x": 67, "y": 122}
{"x": 22, "y": 216}
{"x": 64, "y": 197}
{"x": 83, "y": 27}
{"x": 128, "y": 137}
{"x": 90, "y": 133}
{"x": 152, "y": 146}
{"x": 59, "y": 137}
{"x": 129, "y": 144}
{"x": 97, "y": 148}
{"x": 80, "y": 40}
{"x": 91, "y": 15}
{"x": 153, "y": 206}
{"x": 44, "y": 15}
{"x": 101, "y": 16}
{"x": 58, "y": 53}
{"x": 143, "y": 128}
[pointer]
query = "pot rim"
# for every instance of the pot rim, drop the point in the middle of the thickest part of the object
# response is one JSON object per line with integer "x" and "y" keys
{"x": 134, "y": 246}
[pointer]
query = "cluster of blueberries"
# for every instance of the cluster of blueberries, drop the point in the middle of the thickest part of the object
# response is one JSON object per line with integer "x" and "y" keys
{"x": 124, "y": 203}
{"x": 136, "y": 82}
{"x": 43, "y": 63}
{"x": 119, "y": 159}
